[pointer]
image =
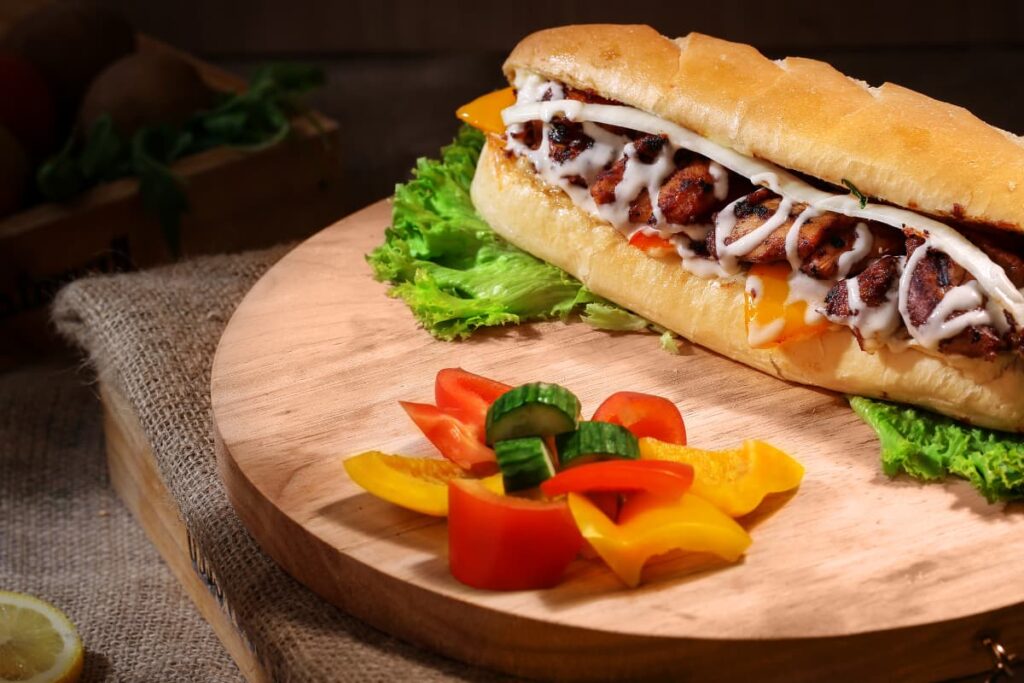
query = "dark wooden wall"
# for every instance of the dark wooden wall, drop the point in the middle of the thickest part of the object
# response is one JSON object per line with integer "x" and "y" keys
{"x": 398, "y": 69}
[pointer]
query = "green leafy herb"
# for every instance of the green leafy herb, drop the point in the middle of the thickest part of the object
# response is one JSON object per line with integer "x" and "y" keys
{"x": 456, "y": 274}
{"x": 251, "y": 120}
{"x": 856, "y": 193}
{"x": 929, "y": 446}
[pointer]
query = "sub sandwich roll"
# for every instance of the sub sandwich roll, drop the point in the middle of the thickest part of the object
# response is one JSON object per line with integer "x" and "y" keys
{"x": 768, "y": 211}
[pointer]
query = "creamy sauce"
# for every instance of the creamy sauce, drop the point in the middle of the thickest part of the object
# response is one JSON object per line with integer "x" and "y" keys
{"x": 862, "y": 244}
{"x": 874, "y": 321}
{"x": 811, "y": 291}
{"x": 793, "y": 236}
{"x": 992, "y": 289}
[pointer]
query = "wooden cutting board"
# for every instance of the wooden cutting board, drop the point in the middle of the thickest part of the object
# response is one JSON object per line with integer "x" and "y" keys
{"x": 856, "y": 576}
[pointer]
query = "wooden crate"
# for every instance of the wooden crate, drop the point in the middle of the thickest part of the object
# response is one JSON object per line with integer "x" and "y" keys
{"x": 238, "y": 200}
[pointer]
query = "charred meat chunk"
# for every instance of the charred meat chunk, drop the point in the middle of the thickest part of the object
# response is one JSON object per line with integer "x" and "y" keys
{"x": 603, "y": 187}
{"x": 530, "y": 134}
{"x": 934, "y": 275}
{"x": 873, "y": 285}
{"x": 757, "y": 208}
{"x": 689, "y": 193}
{"x": 648, "y": 147}
{"x": 823, "y": 262}
{"x": 640, "y": 210}
{"x": 567, "y": 140}
{"x": 976, "y": 342}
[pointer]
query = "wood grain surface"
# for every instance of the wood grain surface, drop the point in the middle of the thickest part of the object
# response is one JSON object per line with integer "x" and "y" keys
{"x": 856, "y": 575}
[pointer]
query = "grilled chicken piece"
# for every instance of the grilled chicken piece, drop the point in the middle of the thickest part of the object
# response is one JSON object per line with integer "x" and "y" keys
{"x": 758, "y": 207}
{"x": 976, "y": 342}
{"x": 566, "y": 140}
{"x": 823, "y": 263}
{"x": 935, "y": 275}
{"x": 640, "y": 211}
{"x": 530, "y": 135}
{"x": 648, "y": 147}
{"x": 873, "y": 283}
{"x": 689, "y": 194}
{"x": 603, "y": 187}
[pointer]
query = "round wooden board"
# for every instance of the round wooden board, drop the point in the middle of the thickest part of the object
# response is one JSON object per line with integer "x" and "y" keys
{"x": 855, "y": 576}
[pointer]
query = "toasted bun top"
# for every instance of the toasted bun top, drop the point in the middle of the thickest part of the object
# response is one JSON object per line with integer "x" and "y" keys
{"x": 890, "y": 142}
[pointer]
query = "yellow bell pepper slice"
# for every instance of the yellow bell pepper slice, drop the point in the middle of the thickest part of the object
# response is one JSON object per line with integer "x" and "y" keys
{"x": 652, "y": 525}
{"x": 485, "y": 111}
{"x": 419, "y": 484}
{"x": 735, "y": 481}
{"x": 771, "y": 318}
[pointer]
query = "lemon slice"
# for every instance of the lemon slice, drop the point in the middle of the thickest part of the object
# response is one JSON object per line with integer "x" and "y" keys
{"x": 38, "y": 644}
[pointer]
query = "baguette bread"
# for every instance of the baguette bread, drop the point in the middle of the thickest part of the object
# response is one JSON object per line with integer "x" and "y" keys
{"x": 542, "y": 220}
{"x": 891, "y": 142}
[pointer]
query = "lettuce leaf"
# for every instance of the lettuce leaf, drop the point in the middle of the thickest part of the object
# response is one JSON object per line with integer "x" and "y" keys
{"x": 456, "y": 274}
{"x": 929, "y": 446}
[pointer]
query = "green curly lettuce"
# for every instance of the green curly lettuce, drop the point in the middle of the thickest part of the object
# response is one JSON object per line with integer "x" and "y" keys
{"x": 929, "y": 447}
{"x": 456, "y": 274}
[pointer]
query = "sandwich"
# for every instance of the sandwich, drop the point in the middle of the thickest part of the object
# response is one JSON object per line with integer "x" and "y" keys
{"x": 862, "y": 239}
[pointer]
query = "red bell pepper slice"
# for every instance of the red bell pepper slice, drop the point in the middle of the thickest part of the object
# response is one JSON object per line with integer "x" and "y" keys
{"x": 652, "y": 244}
{"x": 466, "y": 396}
{"x": 644, "y": 415}
{"x": 622, "y": 476}
{"x": 498, "y": 542}
{"x": 457, "y": 441}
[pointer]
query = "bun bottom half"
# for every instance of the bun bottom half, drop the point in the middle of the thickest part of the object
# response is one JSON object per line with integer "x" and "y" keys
{"x": 543, "y": 221}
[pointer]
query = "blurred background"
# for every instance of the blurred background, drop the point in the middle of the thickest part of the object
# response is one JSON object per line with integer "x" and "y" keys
{"x": 397, "y": 69}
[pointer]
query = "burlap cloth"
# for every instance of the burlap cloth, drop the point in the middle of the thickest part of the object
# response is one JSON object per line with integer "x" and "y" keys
{"x": 65, "y": 537}
{"x": 151, "y": 336}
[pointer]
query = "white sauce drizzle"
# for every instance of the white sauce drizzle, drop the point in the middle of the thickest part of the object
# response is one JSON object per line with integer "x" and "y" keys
{"x": 721, "y": 178}
{"x": 992, "y": 289}
{"x": 729, "y": 254}
{"x": 873, "y": 321}
{"x": 793, "y": 236}
{"x": 811, "y": 291}
{"x": 862, "y": 244}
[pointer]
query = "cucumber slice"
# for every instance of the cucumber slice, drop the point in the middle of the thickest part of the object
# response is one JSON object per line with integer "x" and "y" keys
{"x": 524, "y": 463}
{"x": 596, "y": 441}
{"x": 536, "y": 409}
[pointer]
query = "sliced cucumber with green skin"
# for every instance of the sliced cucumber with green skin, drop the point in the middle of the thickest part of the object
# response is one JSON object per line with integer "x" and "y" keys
{"x": 536, "y": 409}
{"x": 524, "y": 463}
{"x": 596, "y": 441}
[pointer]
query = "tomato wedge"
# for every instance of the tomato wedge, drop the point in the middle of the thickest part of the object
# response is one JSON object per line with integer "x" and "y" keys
{"x": 644, "y": 415}
{"x": 457, "y": 441}
{"x": 466, "y": 396}
{"x": 500, "y": 542}
{"x": 622, "y": 476}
